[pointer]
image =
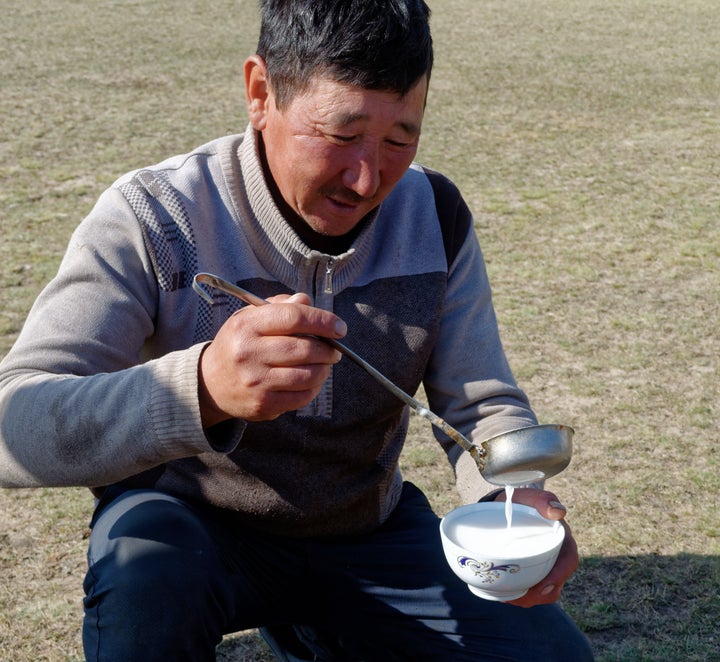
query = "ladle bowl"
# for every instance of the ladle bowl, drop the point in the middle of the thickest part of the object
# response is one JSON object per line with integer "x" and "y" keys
{"x": 526, "y": 455}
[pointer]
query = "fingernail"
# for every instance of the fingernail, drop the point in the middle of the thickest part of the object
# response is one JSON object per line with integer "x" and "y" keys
{"x": 340, "y": 328}
{"x": 558, "y": 505}
{"x": 548, "y": 589}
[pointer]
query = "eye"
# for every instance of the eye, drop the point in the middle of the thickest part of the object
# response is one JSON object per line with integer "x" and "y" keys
{"x": 398, "y": 143}
{"x": 343, "y": 140}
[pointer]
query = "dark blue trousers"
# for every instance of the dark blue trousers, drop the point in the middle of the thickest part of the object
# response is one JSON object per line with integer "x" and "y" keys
{"x": 167, "y": 580}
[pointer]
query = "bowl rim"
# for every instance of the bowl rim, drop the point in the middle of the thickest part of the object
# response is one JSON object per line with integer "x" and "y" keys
{"x": 462, "y": 511}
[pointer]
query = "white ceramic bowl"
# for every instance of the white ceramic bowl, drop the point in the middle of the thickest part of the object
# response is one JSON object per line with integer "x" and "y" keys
{"x": 495, "y": 562}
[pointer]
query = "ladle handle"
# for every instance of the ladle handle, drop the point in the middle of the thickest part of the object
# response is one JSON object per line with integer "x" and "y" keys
{"x": 248, "y": 297}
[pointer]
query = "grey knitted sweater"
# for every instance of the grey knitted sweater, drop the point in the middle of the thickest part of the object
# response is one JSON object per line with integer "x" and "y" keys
{"x": 101, "y": 386}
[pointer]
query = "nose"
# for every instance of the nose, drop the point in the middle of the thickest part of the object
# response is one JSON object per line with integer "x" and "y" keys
{"x": 363, "y": 174}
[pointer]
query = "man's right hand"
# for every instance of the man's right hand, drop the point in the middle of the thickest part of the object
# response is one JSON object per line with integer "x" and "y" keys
{"x": 262, "y": 362}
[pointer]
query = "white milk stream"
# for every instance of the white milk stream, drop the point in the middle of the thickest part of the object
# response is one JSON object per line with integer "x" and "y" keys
{"x": 509, "y": 491}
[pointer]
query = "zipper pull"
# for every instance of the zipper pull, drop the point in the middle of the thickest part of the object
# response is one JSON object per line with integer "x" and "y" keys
{"x": 328, "y": 276}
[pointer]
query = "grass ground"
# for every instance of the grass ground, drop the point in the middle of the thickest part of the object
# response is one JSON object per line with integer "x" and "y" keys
{"x": 585, "y": 136}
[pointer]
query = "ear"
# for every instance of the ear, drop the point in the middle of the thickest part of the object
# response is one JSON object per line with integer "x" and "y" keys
{"x": 257, "y": 91}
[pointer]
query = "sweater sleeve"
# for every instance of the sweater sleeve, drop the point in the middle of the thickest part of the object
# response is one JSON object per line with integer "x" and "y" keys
{"x": 469, "y": 381}
{"x": 79, "y": 404}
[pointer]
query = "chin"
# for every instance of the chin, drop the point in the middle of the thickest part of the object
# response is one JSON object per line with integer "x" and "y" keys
{"x": 332, "y": 227}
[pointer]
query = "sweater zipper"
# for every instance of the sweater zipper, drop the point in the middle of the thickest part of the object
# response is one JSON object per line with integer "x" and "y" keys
{"x": 328, "y": 287}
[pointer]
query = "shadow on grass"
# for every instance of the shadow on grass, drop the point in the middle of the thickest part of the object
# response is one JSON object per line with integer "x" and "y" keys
{"x": 633, "y": 609}
{"x": 649, "y": 608}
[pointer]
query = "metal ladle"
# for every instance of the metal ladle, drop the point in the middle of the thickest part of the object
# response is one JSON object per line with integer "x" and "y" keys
{"x": 506, "y": 463}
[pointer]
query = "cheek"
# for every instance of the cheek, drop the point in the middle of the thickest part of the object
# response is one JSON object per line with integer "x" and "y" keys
{"x": 302, "y": 170}
{"x": 319, "y": 166}
{"x": 395, "y": 166}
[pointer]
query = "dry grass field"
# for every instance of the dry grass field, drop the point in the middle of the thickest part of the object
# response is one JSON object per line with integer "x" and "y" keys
{"x": 586, "y": 138}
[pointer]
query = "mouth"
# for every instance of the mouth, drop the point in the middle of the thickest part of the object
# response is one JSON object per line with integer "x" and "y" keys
{"x": 343, "y": 205}
{"x": 349, "y": 202}
{"x": 344, "y": 195}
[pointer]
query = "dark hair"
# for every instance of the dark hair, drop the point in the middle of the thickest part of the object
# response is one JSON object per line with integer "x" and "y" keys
{"x": 374, "y": 44}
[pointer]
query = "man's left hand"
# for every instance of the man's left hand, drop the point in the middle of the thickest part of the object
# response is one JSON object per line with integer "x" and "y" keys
{"x": 550, "y": 588}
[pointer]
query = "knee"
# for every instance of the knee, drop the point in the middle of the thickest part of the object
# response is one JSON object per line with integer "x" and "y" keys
{"x": 154, "y": 587}
{"x": 148, "y": 550}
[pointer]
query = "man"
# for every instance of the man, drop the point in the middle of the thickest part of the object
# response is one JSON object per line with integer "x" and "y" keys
{"x": 245, "y": 476}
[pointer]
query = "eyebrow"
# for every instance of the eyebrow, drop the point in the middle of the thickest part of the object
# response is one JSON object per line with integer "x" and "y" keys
{"x": 345, "y": 119}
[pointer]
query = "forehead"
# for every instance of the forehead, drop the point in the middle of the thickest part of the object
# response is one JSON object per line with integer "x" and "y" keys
{"x": 325, "y": 100}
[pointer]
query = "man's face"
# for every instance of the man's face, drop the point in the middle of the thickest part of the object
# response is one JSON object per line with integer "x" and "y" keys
{"x": 337, "y": 150}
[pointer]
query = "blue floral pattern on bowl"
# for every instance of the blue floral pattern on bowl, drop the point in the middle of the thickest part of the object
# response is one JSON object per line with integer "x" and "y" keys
{"x": 488, "y": 572}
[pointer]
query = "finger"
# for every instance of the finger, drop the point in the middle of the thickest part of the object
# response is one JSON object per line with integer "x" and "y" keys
{"x": 298, "y": 297}
{"x": 566, "y": 564}
{"x": 276, "y": 403}
{"x": 546, "y": 503}
{"x": 295, "y": 351}
{"x": 295, "y": 379}
{"x": 277, "y": 391}
{"x": 549, "y": 589}
{"x": 291, "y": 318}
